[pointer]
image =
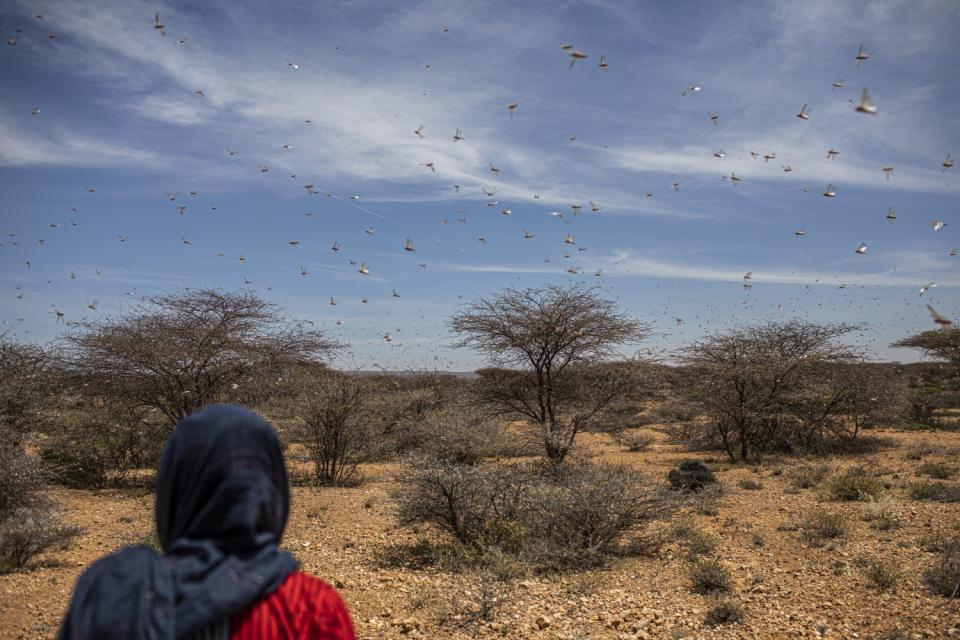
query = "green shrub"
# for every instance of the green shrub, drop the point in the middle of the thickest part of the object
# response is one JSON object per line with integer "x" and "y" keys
{"x": 943, "y": 576}
{"x": 710, "y": 577}
{"x": 935, "y": 491}
{"x": 95, "y": 444}
{"x": 856, "y": 483}
{"x": 725, "y": 611}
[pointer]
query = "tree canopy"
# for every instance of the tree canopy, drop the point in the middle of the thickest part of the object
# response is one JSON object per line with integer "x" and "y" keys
{"x": 546, "y": 346}
{"x": 178, "y": 352}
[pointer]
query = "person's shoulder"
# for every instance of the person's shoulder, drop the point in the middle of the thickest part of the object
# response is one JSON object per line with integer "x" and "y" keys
{"x": 325, "y": 611}
{"x": 305, "y": 585}
{"x": 312, "y": 593}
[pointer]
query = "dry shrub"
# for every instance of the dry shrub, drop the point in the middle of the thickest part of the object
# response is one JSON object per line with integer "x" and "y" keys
{"x": 553, "y": 518}
{"x": 710, "y": 577}
{"x": 674, "y": 410}
{"x": 725, "y": 611}
{"x": 788, "y": 387}
{"x": 921, "y": 449}
{"x": 880, "y": 575}
{"x": 691, "y": 475}
{"x": 459, "y": 435}
{"x": 856, "y": 483}
{"x": 699, "y": 543}
{"x": 29, "y": 533}
{"x": 806, "y": 476}
{"x": 750, "y": 484}
{"x": 29, "y": 524}
{"x": 478, "y": 505}
{"x": 20, "y": 476}
{"x": 478, "y": 601}
{"x": 337, "y": 429}
{"x": 937, "y": 470}
{"x": 634, "y": 441}
{"x": 94, "y": 443}
{"x": 707, "y": 501}
{"x": 819, "y": 526}
{"x": 26, "y": 379}
{"x": 935, "y": 491}
{"x": 880, "y": 513}
{"x": 943, "y": 576}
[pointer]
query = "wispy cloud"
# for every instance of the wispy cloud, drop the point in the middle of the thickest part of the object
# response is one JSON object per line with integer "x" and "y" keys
{"x": 171, "y": 109}
{"x": 38, "y": 147}
{"x": 627, "y": 264}
{"x": 117, "y": 96}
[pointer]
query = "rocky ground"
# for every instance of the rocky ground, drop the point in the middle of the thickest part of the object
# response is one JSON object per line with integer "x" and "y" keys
{"x": 787, "y": 588}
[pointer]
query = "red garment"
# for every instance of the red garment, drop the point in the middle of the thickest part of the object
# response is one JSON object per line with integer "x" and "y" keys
{"x": 303, "y": 607}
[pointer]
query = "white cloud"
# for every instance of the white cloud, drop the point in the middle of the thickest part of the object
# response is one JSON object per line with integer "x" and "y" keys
{"x": 627, "y": 264}
{"x": 170, "y": 109}
{"x": 57, "y": 146}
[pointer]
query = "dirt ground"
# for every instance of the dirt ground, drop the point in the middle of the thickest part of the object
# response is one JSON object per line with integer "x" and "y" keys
{"x": 788, "y": 589}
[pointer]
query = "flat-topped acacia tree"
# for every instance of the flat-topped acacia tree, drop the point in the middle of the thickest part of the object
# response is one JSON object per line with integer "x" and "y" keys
{"x": 938, "y": 344}
{"x": 178, "y": 352}
{"x": 550, "y": 350}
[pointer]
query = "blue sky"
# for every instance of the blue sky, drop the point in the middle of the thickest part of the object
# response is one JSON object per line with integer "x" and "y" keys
{"x": 119, "y": 111}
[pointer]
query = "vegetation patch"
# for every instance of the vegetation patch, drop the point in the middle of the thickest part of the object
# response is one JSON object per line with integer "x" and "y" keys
{"x": 935, "y": 491}
{"x": 691, "y": 475}
{"x": 725, "y": 611}
{"x": 856, "y": 483}
{"x": 937, "y": 470}
{"x": 551, "y": 517}
{"x": 820, "y": 526}
{"x": 710, "y": 577}
{"x": 942, "y": 577}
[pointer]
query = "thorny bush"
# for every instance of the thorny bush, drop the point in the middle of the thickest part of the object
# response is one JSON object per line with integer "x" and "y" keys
{"x": 553, "y": 518}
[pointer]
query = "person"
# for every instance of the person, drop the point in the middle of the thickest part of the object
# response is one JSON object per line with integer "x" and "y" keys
{"x": 221, "y": 507}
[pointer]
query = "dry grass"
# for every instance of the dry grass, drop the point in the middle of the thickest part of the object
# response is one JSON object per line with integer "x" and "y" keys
{"x": 755, "y": 537}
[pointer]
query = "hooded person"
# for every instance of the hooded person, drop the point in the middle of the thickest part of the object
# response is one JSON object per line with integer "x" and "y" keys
{"x": 221, "y": 508}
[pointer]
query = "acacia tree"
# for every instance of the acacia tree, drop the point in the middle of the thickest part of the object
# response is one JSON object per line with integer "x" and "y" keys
{"x": 546, "y": 346}
{"x": 937, "y": 387}
{"x": 939, "y": 344}
{"x": 176, "y": 353}
{"x": 776, "y": 386}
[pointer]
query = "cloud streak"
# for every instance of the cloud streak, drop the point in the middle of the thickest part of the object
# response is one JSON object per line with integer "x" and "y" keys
{"x": 627, "y": 264}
